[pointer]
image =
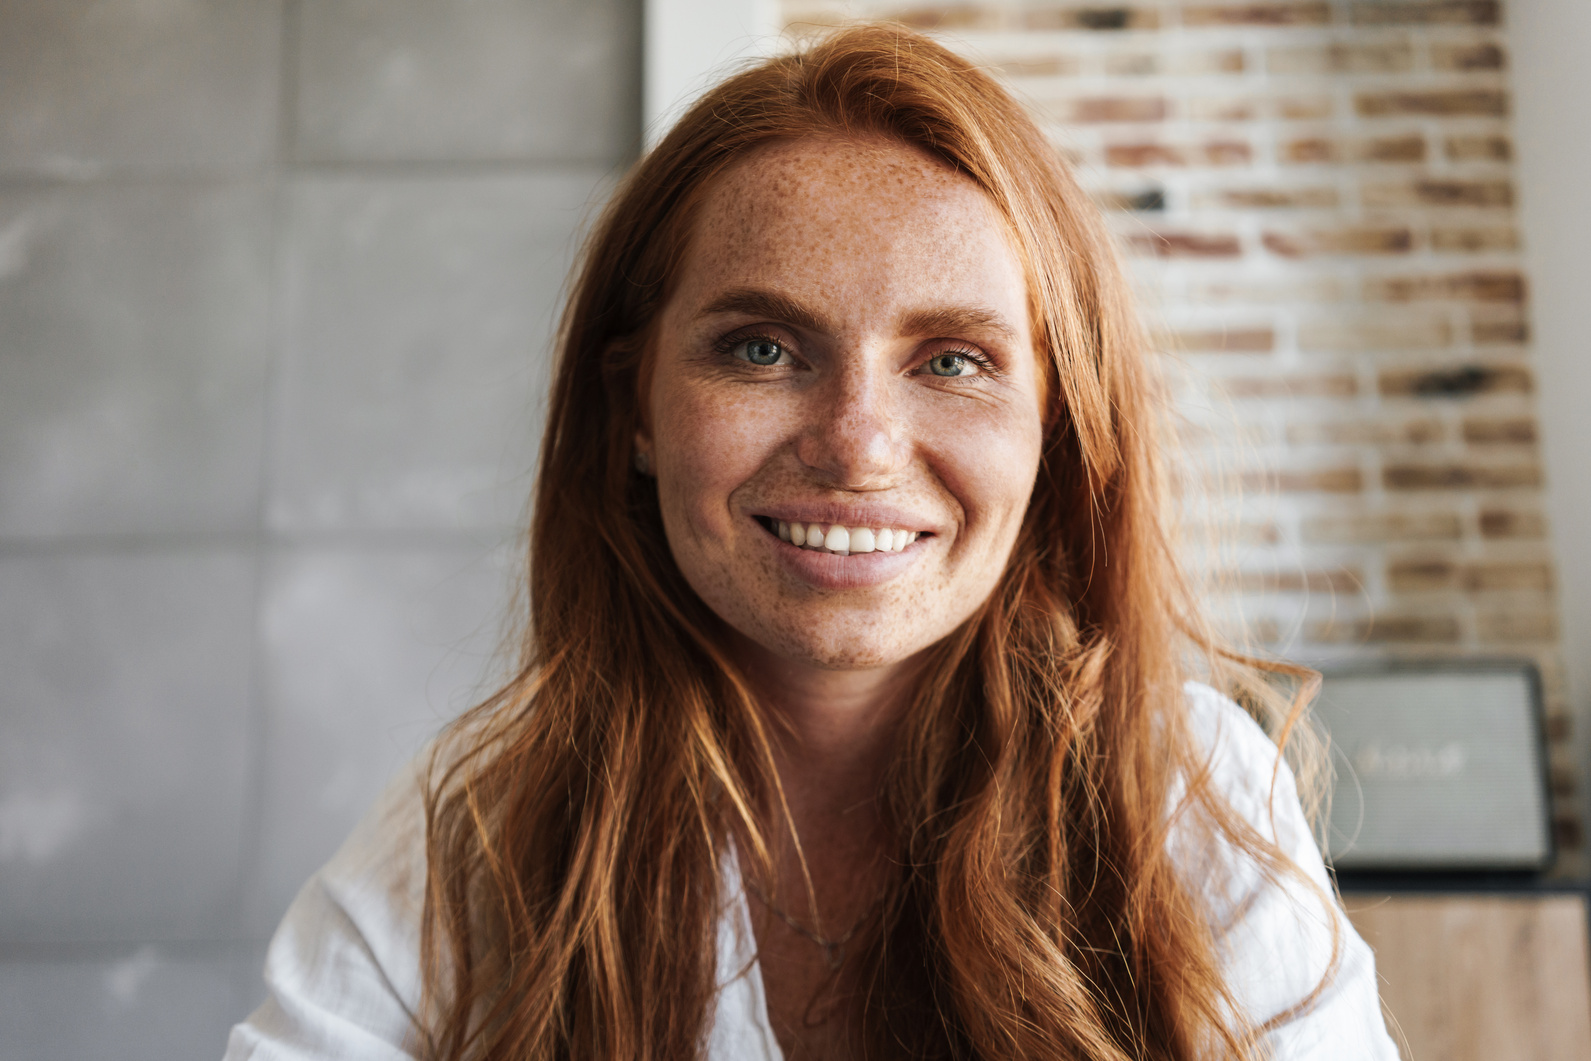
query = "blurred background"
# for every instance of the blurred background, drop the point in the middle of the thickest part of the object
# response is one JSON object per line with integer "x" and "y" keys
{"x": 277, "y": 285}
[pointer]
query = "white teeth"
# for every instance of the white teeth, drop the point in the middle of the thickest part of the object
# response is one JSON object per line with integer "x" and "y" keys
{"x": 844, "y": 540}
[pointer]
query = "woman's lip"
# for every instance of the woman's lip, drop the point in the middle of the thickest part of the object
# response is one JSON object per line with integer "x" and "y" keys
{"x": 825, "y": 570}
{"x": 873, "y": 516}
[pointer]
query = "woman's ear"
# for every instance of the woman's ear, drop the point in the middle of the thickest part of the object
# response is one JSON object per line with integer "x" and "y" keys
{"x": 643, "y": 451}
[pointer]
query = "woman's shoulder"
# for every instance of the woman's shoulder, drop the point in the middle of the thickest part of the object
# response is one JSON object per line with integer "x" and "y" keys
{"x": 1231, "y": 737}
{"x": 1246, "y": 768}
{"x": 343, "y": 969}
{"x": 1281, "y": 934}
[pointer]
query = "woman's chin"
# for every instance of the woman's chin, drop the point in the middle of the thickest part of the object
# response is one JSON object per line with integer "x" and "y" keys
{"x": 839, "y": 648}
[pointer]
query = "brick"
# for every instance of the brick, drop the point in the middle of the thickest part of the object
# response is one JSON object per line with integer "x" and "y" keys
{"x": 1091, "y": 18}
{"x": 1460, "y": 476}
{"x": 1269, "y": 289}
{"x": 1342, "y": 57}
{"x": 1291, "y": 580}
{"x": 1434, "y": 192}
{"x": 1479, "y": 148}
{"x": 1311, "y": 149}
{"x": 1344, "y": 480}
{"x": 1472, "y": 240}
{"x": 1256, "y": 534}
{"x": 1390, "y": 149}
{"x": 1515, "y": 626}
{"x": 1361, "y": 240}
{"x": 1148, "y": 200}
{"x": 1367, "y": 432}
{"x": 1459, "y": 382}
{"x": 1223, "y": 340}
{"x": 1505, "y": 523}
{"x": 1221, "y": 61}
{"x": 1223, "y": 435}
{"x": 1425, "y": 12}
{"x": 1452, "y": 103}
{"x": 1508, "y": 575}
{"x": 1187, "y": 244}
{"x": 1134, "y": 64}
{"x": 1383, "y": 527}
{"x": 1297, "y": 13}
{"x": 1405, "y": 576}
{"x": 1213, "y": 153}
{"x": 949, "y": 17}
{"x": 1356, "y": 336}
{"x": 1409, "y": 148}
{"x": 1467, "y": 287}
{"x": 1181, "y": 64}
{"x": 1500, "y": 431}
{"x": 1389, "y": 629}
{"x": 1305, "y": 108}
{"x": 1496, "y": 331}
{"x": 1226, "y": 152}
{"x": 1039, "y": 66}
{"x": 1276, "y": 198}
{"x": 1133, "y": 155}
{"x": 1291, "y": 386}
{"x": 1220, "y": 109}
{"x": 1118, "y": 109}
{"x": 1480, "y": 56}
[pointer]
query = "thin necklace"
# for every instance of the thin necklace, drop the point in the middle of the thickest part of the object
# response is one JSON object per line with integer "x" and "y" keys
{"x": 833, "y": 949}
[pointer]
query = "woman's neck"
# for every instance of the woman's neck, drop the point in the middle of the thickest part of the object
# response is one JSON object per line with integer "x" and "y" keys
{"x": 834, "y": 732}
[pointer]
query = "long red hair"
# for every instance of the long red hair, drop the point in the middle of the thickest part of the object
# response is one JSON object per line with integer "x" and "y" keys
{"x": 577, "y": 822}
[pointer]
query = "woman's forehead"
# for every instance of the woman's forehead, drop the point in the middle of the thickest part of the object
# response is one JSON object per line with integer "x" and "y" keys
{"x": 849, "y": 216}
{"x": 817, "y": 178}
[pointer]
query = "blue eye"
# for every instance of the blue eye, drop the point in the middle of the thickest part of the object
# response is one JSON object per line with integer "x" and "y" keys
{"x": 948, "y": 364}
{"x": 760, "y": 351}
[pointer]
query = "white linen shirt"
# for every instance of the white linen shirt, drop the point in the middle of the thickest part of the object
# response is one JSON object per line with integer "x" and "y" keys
{"x": 343, "y": 970}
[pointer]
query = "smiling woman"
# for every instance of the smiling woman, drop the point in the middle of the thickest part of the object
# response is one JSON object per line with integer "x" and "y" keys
{"x": 855, "y": 715}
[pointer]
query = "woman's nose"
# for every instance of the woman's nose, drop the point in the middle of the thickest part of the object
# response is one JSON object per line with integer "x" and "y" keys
{"x": 853, "y": 436}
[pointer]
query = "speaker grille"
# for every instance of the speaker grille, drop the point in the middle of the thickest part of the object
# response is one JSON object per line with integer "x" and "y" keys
{"x": 1436, "y": 769}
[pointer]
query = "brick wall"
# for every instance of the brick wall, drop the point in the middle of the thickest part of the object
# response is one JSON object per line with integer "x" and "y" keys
{"x": 1317, "y": 202}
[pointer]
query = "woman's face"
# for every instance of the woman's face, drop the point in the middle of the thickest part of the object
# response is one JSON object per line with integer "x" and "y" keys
{"x": 847, "y": 350}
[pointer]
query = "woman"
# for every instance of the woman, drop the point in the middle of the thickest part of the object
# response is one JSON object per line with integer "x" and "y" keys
{"x": 852, "y": 719}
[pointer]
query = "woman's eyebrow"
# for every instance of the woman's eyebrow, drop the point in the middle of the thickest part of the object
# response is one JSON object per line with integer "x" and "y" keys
{"x": 755, "y": 302}
{"x": 939, "y": 321}
{"x": 956, "y": 320}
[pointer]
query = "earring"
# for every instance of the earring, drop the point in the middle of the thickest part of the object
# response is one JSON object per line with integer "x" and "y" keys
{"x": 642, "y": 463}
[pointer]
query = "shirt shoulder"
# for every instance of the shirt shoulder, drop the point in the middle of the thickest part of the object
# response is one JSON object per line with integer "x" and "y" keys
{"x": 1280, "y": 935}
{"x": 343, "y": 969}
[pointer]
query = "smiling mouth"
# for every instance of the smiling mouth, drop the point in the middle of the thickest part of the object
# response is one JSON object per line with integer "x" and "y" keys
{"x": 838, "y": 539}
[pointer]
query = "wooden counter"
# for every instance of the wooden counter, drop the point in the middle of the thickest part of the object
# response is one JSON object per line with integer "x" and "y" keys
{"x": 1481, "y": 977}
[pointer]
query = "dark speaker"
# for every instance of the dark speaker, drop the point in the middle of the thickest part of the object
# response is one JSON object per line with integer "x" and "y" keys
{"x": 1439, "y": 766}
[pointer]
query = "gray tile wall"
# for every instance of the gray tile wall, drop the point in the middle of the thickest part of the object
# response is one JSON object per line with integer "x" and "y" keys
{"x": 277, "y": 283}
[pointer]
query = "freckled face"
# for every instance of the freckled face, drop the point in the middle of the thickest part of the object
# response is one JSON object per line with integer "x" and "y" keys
{"x": 848, "y": 345}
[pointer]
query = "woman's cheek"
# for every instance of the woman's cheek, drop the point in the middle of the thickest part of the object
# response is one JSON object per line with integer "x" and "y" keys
{"x": 718, "y": 441}
{"x": 987, "y": 456}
